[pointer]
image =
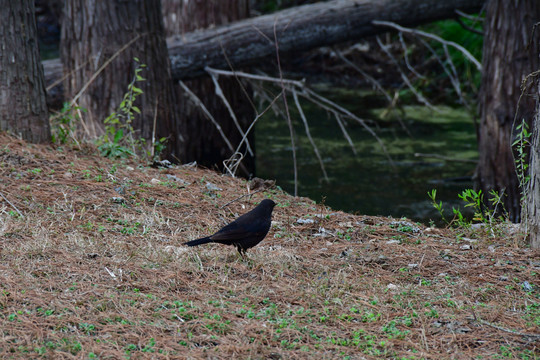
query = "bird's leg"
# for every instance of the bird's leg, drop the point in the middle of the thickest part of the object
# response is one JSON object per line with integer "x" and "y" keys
{"x": 239, "y": 248}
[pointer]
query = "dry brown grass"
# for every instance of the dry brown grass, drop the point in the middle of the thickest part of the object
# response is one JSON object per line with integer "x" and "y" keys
{"x": 85, "y": 275}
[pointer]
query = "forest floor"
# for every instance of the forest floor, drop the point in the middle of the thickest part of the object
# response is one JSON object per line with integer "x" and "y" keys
{"x": 92, "y": 266}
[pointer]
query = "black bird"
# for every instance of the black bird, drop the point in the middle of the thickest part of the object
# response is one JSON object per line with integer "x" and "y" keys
{"x": 246, "y": 231}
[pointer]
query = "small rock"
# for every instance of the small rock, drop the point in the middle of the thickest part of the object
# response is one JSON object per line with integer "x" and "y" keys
{"x": 129, "y": 168}
{"x": 462, "y": 330}
{"x": 478, "y": 226}
{"x": 212, "y": 187}
{"x": 412, "y": 266}
{"x": 68, "y": 175}
{"x": 305, "y": 221}
{"x": 190, "y": 165}
{"x": 465, "y": 247}
{"x": 155, "y": 181}
{"x": 118, "y": 200}
{"x": 177, "y": 179}
{"x": 431, "y": 230}
{"x": 392, "y": 287}
{"x": 161, "y": 164}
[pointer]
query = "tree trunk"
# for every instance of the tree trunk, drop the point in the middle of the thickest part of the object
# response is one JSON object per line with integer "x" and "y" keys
{"x": 23, "y": 107}
{"x": 204, "y": 143}
{"x": 301, "y": 28}
{"x": 508, "y": 56}
{"x": 531, "y": 210}
{"x": 95, "y": 32}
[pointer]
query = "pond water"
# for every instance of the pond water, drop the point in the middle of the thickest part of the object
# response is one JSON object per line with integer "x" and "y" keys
{"x": 367, "y": 183}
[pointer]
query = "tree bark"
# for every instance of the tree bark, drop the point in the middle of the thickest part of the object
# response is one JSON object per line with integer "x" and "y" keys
{"x": 23, "y": 107}
{"x": 531, "y": 210}
{"x": 300, "y": 28}
{"x": 508, "y": 56}
{"x": 204, "y": 142}
{"x": 94, "y": 32}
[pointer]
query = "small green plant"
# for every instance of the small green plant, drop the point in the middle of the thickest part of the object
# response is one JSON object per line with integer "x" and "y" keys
{"x": 521, "y": 147}
{"x": 475, "y": 200}
{"x": 437, "y": 205}
{"x": 63, "y": 124}
{"x": 118, "y": 140}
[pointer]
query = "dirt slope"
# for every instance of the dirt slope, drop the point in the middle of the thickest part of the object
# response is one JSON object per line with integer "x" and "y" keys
{"x": 92, "y": 266}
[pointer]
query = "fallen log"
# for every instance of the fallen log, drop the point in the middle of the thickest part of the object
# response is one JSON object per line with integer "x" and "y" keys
{"x": 300, "y": 28}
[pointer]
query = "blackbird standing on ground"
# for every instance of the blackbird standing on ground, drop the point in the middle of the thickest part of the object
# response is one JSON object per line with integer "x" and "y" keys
{"x": 246, "y": 231}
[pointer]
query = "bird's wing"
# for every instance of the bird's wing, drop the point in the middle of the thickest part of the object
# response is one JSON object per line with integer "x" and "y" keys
{"x": 233, "y": 231}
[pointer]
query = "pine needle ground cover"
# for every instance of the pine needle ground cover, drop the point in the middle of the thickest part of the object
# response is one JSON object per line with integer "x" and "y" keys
{"x": 92, "y": 267}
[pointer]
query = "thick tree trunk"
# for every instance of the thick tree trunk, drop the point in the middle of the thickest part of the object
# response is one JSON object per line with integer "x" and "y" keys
{"x": 531, "y": 210}
{"x": 204, "y": 142}
{"x": 92, "y": 34}
{"x": 509, "y": 55}
{"x": 23, "y": 107}
{"x": 301, "y": 28}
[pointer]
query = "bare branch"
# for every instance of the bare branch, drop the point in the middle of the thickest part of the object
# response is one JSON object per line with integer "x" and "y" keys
{"x": 289, "y": 121}
{"x": 404, "y": 77}
{"x": 315, "y": 149}
{"x": 220, "y": 94}
{"x": 464, "y": 51}
{"x": 13, "y": 206}
{"x": 406, "y": 57}
{"x": 199, "y": 103}
{"x": 344, "y": 131}
{"x": 372, "y": 80}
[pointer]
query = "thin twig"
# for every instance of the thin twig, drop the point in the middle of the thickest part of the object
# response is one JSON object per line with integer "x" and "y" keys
{"x": 315, "y": 149}
{"x": 231, "y": 164}
{"x": 298, "y": 83}
{"x": 332, "y": 106}
{"x": 464, "y": 51}
{"x": 372, "y": 80}
{"x": 404, "y": 77}
{"x": 13, "y": 206}
{"x": 221, "y": 95}
{"x": 199, "y": 103}
{"x": 469, "y": 28}
{"x": 256, "y": 119}
{"x": 511, "y": 331}
{"x": 470, "y": 17}
{"x": 152, "y": 151}
{"x": 344, "y": 131}
{"x": 406, "y": 57}
{"x": 289, "y": 120}
{"x": 105, "y": 64}
{"x": 454, "y": 80}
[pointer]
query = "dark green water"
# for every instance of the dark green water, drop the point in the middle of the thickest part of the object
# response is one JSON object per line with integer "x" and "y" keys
{"x": 367, "y": 183}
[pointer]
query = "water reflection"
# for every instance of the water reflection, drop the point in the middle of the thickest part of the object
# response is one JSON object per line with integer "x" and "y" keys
{"x": 367, "y": 183}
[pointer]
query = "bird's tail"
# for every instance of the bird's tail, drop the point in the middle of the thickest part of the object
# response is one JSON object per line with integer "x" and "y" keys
{"x": 200, "y": 241}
